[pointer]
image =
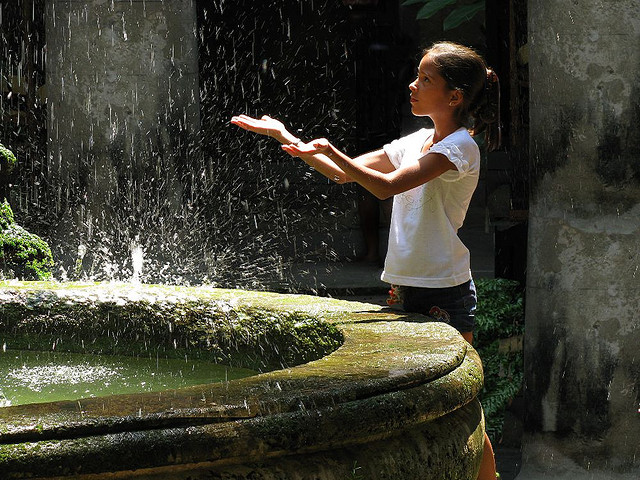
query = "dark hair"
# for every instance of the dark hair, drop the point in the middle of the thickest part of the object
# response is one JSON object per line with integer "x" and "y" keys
{"x": 465, "y": 70}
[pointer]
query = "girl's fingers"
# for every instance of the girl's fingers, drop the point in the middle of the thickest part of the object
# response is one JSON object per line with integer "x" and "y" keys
{"x": 300, "y": 149}
{"x": 240, "y": 123}
{"x": 290, "y": 150}
{"x": 242, "y": 118}
{"x": 248, "y": 123}
{"x": 238, "y": 120}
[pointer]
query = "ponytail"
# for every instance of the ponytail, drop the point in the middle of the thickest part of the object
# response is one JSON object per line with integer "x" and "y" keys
{"x": 486, "y": 114}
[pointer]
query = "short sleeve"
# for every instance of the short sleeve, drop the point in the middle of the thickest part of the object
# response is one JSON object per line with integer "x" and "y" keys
{"x": 461, "y": 150}
{"x": 397, "y": 149}
{"x": 395, "y": 152}
{"x": 455, "y": 156}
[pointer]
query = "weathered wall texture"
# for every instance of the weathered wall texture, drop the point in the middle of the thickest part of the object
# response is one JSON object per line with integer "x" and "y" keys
{"x": 583, "y": 306}
{"x": 122, "y": 85}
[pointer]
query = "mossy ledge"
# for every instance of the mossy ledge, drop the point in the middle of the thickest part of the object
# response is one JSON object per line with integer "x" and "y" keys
{"x": 357, "y": 389}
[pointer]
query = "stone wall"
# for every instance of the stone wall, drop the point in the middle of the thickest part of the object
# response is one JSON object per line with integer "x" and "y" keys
{"x": 123, "y": 104}
{"x": 582, "y": 324}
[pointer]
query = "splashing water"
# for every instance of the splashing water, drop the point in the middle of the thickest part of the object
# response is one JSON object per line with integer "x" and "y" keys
{"x": 223, "y": 206}
{"x": 36, "y": 379}
{"x": 137, "y": 260}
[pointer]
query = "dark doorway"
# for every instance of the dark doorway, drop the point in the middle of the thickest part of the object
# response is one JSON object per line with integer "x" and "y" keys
{"x": 507, "y": 170}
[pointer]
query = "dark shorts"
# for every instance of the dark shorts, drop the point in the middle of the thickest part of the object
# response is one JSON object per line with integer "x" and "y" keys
{"x": 453, "y": 305}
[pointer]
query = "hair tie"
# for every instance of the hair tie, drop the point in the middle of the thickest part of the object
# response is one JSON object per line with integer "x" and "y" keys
{"x": 488, "y": 110}
{"x": 490, "y": 79}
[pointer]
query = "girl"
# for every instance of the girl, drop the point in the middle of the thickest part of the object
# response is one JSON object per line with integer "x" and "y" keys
{"x": 432, "y": 175}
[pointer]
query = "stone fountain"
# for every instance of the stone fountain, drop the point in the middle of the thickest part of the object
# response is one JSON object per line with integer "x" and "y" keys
{"x": 349, "y": 390}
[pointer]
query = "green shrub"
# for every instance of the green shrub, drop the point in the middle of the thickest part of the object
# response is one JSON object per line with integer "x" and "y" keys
{"x": 6, "y": 216}
{"x": 7, "y": 165}
{"x": 500, "y": 311}
{"x": 499, "y": 316}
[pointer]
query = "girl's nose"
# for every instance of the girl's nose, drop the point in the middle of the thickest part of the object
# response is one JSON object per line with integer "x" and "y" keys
{"x": 412, "y": 85}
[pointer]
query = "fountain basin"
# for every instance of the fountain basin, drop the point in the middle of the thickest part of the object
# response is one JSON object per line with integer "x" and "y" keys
{"x": 349, "y": 390}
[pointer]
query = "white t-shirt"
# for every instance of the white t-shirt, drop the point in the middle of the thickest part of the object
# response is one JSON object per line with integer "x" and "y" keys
{"x": 424, "y": 249}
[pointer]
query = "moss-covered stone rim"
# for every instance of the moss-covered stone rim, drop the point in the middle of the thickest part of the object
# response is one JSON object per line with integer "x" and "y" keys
{"x": 196, "y": 323}
{"x": 390, "y": 371}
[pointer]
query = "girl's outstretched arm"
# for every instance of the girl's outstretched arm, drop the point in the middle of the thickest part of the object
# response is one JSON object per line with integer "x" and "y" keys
{"x": 265, "y": 126}
{"x": 383, "y": 182}
{"x": 276, "y": 129}
{"x": 271, "y": 127}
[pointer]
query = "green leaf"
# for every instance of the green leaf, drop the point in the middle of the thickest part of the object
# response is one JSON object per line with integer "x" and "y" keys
{"x": 433, "y": 7}
{"x": 413, "y": 2}
{"x": 461, "y": 15}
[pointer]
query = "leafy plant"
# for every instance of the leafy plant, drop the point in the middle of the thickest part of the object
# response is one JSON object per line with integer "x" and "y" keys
{"x": 499, "y": 316}
{"x": 7, "y": 165}
{"x": 500, "y": 311}
{"x": 456, "y": 17}
{"x": 6, "y": 215}
{"x": 355, "y": 475}
{"x": 503, "y": 374}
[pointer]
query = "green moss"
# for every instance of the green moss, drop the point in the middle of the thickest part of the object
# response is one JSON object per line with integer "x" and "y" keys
{"x": 207, "y": 329}
{"x": 6, "y": 216}
{"x": 7, "y": 160}
{"x": 22, "y": 254}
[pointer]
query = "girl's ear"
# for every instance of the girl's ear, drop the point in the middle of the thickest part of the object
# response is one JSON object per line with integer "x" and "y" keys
{"x": 456, "y": 98}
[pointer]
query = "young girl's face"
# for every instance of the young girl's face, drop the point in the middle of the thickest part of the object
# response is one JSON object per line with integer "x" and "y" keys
{"x": 430, "y": 94}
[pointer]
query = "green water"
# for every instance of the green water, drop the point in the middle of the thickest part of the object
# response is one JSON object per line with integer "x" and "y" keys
{"x": 33, "y": 377}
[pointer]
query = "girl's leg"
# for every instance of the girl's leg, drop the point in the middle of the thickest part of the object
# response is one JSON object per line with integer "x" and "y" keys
{"x": 456, "y": 306}
{"x": 488, "y": 465}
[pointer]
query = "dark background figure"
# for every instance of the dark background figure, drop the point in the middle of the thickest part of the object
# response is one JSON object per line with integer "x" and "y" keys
{"x": 384, "y": 67}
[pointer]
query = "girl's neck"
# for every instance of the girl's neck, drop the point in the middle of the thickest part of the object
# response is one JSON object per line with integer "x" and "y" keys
{"x": 443, "y": 127}
{"x": 438, "y": 134}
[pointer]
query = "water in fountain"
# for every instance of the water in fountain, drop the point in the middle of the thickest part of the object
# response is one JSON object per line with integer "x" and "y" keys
{"x": 34, "y": 377}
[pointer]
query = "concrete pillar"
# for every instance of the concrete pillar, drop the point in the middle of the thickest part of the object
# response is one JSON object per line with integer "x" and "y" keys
{"x": 123, "y": 100}
{"x": 582, "y": 338}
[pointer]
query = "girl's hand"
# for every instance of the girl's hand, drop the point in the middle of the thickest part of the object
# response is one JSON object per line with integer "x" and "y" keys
{"x": 263, "y": 126}
{"x": 319, "y": 145}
